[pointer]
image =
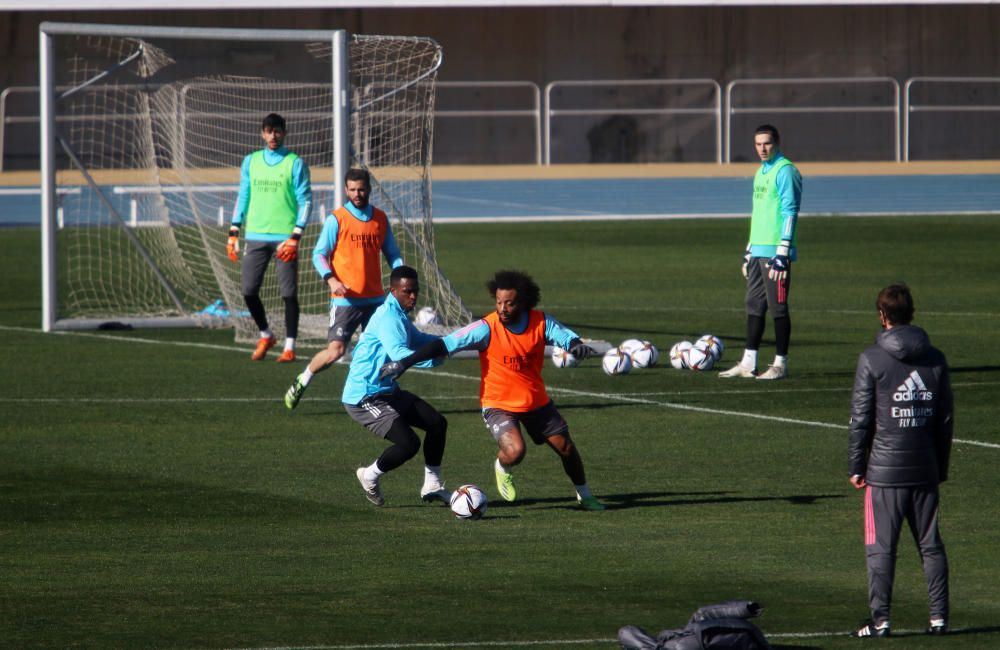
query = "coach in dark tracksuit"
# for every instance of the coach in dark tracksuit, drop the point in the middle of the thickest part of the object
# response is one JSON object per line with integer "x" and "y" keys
{"x": 901, "y": 430}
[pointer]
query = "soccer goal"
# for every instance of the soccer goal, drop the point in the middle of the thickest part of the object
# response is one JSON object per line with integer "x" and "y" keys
{"x": 143, "y": 132}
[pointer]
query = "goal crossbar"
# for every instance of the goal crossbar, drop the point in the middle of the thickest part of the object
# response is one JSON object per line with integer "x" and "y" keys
{"x": 50, "y": 138}
{"x": 155, "y": 124}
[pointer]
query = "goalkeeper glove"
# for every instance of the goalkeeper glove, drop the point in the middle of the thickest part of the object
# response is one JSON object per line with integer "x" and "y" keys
{"x": 391, "y": 370}
{"x": 581, "y": 350}
{"x": 746, "y": 262}
{"x": 233, "y": 244}
{"x": 779, "y": 264}
{"x": 288, "y": 251}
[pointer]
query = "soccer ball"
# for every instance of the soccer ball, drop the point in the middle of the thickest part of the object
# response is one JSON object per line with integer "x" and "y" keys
{"x": 645, "y": 356}
{"x": 678, "y": 354}
{"x": 468, "y": 502}
{"x": 616, "y": 362}
{"x": 563, "y": 359}
{"x": 427, "y": 316}
{"x": 629, "y": 346}
{"x": 715, "y": 344}
{"x": 699, "y": 356}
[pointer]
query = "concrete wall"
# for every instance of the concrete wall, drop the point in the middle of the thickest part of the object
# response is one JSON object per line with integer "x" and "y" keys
{"x": 722, "y": 43}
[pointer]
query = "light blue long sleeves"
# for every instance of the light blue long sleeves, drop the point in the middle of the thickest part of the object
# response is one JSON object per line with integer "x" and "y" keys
{"x": 476, "y": 335}
{"x": 390, "y": 336}
{"x": 327, "y": 243}
{"x": 788, "y": 183}
{"x": 300, "y": 181}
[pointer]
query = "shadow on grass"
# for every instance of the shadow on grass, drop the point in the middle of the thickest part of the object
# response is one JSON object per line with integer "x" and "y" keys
{"x": 665, "y": 499}
{"x": 70, "y": 494}
{"x": 992, "y": 629}
{"x": 958, "y": 369}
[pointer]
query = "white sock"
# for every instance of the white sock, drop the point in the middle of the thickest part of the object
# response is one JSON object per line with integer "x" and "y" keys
{"x": 306, "y": 376}
{"x": 749, "y": 359}
{"x": 780, "y": 360}
{"x": 582, "y": 491}
{"x": 432, "y": 475}
{"x": 266, "y": 334}
{"x": 289, "y": 343}
{"x": 503, "y": 468}
{"x": 372, "y": 472}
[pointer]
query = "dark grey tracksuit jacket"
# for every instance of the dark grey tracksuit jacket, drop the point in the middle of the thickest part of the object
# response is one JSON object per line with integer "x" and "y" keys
{"x": 900, "y": 442}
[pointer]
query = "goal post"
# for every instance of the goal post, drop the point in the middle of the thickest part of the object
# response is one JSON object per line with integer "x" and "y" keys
{"x": 143, "y": 133}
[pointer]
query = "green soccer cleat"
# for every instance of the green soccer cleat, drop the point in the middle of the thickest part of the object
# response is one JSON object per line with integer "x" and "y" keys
{"x": 590, "y": 503}
{"x": 505, "y": 484}
{"x": 294, "y": 393}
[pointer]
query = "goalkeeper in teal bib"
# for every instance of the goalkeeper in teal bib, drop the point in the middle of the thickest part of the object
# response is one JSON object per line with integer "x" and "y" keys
{"x": 770, "y": 251}
{"x": 273, "y": 206}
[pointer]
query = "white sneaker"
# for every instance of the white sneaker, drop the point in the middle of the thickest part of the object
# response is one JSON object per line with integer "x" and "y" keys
{"x": 774, "y": 372}
{"x": 373, "y": 491}
{"x": 435, "y": 491}
{"x": 739, "y": 370}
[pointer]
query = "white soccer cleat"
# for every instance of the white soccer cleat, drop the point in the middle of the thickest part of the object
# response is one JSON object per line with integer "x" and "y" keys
{"x": 373, "y": 491}
{"x": 739, "y": 370}
{"x": 435, "y": 491}
{"x": 774, "y": 372}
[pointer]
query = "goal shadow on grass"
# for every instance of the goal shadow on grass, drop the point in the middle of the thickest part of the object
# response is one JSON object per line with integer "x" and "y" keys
{"x": 666, "y": 499}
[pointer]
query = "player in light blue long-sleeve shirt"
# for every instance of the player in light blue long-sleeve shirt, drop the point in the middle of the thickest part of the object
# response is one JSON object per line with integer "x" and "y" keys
{"x": 348, "y": 256}
{"x": 381, "y": 406}
{"x": 327, "y": 244}
{"x": 273, "y": 204}
{"x": 770, "y": 251}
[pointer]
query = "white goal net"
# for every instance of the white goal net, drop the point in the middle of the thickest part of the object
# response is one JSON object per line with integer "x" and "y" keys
{"x": 151, "y": 131}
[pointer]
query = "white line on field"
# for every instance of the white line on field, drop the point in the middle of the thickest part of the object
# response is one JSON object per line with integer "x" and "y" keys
{"x": 699, "y": 409}
{"x": 554, "y": 389}
{"x": 523, "y": 644}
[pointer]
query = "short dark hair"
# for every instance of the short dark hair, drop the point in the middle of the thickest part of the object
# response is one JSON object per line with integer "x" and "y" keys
{"x": 273, "y": 121}
{"x": 356, "y": 174}
{"x": 402, "y": 273}
{"x": 772, "y": 131}
{"x": 896, "y": 304}
{"x": 527, "y": 289}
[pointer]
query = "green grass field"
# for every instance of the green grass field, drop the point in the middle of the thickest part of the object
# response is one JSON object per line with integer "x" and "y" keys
{"x": 154, "y": 491}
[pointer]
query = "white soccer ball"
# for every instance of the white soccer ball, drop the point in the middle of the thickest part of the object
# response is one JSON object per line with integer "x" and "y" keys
{"x": 646, "y": 356}
{"x": 468, "y": 502}
{"x": 715, "y": 344}
{"x": 616, "y": 362}
{"x": 629, "y": 346}
{"x": 678, "y": 354}
{"x": 563, "y": 359}
{"x": 427, "y": 316}
{"x": 699, "y": 356}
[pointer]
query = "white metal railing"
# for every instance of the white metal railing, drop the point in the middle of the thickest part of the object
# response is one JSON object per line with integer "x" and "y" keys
{"x": 551, "y": 112}
{"x": 535, "y": 113}
{"x": 771, "y": 110}
{"x": 909, "y": 107}
{"x": 542, "y": 114}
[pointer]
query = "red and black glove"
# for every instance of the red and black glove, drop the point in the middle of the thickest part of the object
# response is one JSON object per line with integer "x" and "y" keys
{"x": 288, "y": 251}
{"x": 233, "y": 244}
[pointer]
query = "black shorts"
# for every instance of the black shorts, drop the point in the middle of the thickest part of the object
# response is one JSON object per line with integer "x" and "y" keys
{"x": 377, "y": 412}
{"x": 256, "y": 256}
{"x": 344, "y": 319}
{"x": 540, "y": 424}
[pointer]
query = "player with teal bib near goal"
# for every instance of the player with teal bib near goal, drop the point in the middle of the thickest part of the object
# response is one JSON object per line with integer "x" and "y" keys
{"x": 274, "y": 201}
{"x": 770, "y": 251}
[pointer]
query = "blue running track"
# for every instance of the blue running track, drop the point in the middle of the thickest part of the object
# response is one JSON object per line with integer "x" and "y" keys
{"x": 658, "y": 198}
